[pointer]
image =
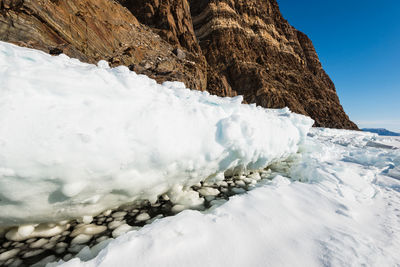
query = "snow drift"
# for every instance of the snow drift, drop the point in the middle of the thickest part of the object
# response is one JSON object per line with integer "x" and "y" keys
{"x": 345, "y": 213}
{"x": 76, "y": 138}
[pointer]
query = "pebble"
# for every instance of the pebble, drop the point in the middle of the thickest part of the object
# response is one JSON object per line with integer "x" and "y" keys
{"x": 90, "y": 229}
{"x": 87, "y": 219}
{"x": 55, "y": 238}
{"x": 122, "y": 229}
{"x": 177, "y": 208}
{"x": 18, "y": 245}
{"x": 10, "y": 261}
{"x": 49, "y": 245}
{"x": 81, "y": 239}
{"x": 115, "y": 224}
{"x": 60, "y": 250}
{"x": 39, "y": 243}
{"x": 62, "y": 245}
{"x": 143, "y": 217}
{"x": 9, "y": 254}
{"x": 222, "y": 184}
{"x": 32, "y": 253}
{"x": 107, "y": 212}
{"x": 26, "y": 230}
{"x": 119, "y": 214}
{"x": 240, "y": 183}
{"x": 30, "y": 240}
{"x": 65, "y": 233}
{"x": 208, "y": 191}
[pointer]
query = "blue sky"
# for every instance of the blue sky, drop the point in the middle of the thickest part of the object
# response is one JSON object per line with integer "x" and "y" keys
{"x": 358, "y": 43}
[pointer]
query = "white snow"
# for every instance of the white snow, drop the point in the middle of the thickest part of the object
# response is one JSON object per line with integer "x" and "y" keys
{"x": 77, "y": 139}
{"x": 344, "y": 213}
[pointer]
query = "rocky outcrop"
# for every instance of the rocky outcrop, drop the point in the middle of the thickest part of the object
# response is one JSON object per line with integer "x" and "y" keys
{"x": 227, "y": 47}
{"x": 91, "y": 30}
{"x": 252, "y": 51}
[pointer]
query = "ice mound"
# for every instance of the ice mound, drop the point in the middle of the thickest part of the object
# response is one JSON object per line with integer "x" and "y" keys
{"x": 77, "y": 138}
{"x": 346, "y": 214}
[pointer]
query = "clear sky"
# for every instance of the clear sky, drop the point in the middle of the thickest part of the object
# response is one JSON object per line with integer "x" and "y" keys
{"x": 358, "y": 43}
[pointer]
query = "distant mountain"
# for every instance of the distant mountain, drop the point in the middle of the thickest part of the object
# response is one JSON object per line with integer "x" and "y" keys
{"x": 381, "y": 131}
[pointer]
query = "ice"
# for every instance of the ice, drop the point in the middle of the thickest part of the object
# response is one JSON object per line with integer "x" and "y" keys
{"x": 142, "y": 217}
{"x": 345, "y": 212}
{"x": 208, "y": 191}
{"x": 122, "y": 229}
{"x": 81, "y": 239}
{"x": 90, "y": 229}
{"x": 78, "y": 139}
{"x": 41, "y": 230}
{"x": 9, "y": 254}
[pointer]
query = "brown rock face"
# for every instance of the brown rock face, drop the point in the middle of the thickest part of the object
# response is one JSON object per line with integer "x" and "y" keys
{"x": 91, "y": 30}
{"x": 227, "y": 47}
{"x": 252, "y": 51}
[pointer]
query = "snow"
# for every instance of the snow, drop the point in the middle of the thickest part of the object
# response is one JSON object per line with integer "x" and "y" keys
{"x": 335, "y": 205}
{"x": 78, "y": 139}
{"x": 81, "y": 139}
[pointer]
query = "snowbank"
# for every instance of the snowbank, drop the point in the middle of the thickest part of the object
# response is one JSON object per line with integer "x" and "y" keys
{"x": 346, "y": 215}
{"x": 77, "y": 138}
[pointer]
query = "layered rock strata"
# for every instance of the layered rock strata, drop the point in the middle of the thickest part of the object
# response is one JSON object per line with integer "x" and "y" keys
{"x": 252, "y": 50}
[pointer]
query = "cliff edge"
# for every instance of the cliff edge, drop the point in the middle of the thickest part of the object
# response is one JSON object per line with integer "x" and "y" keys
{"x": 227, "y": 47}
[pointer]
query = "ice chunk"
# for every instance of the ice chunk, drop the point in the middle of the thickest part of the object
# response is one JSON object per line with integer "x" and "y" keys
{"x": 81, "y": 138}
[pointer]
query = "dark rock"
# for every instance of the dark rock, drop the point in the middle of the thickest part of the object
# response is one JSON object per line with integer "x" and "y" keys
{"x": 55, "y": 51}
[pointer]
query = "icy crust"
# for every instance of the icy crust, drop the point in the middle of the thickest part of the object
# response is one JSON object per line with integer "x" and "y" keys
{"x": 77, "y": 139}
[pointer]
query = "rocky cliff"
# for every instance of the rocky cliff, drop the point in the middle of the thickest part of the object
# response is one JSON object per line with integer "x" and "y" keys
{"x": 227, "y": 47}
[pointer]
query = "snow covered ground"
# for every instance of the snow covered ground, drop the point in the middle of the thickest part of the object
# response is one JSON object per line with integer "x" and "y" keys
{"x": 83, "y": 138}
{"x": 344, "y": 212}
